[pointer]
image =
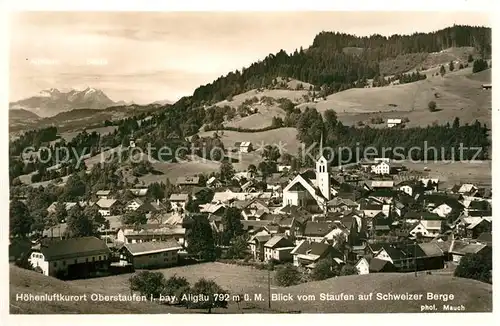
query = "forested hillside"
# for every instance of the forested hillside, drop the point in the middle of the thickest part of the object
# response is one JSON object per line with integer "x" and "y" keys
{"x": 326, "y": 64}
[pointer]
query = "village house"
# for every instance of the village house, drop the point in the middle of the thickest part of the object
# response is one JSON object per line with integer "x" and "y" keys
{"x": 188, "y": 181}
{"x": 306, "y": 254}
{"x": 108, "y": 207}
{"x": 75, "y": 257}
{"x": 382, "y": 168}
{"x": 278, "y": 248}
{"x": 393, "y": 122}
{"x": 139, "y": 192}
{"x": 381, "y": 266}
{"x": 213, "y": 182}
{"x": 178, "y": 201}
{"x": 134, "y": 204}
{"x": 362, "y": 266}
{"x": 67, "y": 206}
{"x": 460, "y": 248}
{"x": 316, "y": 231}
{"x": 426, "y": 228}
{"x": 338, "y": 204}
{"x": 151, "y": 254}
{"x": 243, "y": 147}
{"x": 254, "y": 209}
{"x": 256, "y": 244}
{"x": 103, "y": 194}
{"x": 411, "y": 257}
{"x": 150, "y": 232}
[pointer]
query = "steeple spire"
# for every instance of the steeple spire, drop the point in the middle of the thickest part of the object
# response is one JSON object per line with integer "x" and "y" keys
{"x": 321, "y": 145}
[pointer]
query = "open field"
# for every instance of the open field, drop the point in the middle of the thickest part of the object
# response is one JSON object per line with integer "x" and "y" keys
{"x": 172, "y": 171}
{"x": 474, "y": 295}
{"x": 287, "y": 136}
{"x": 233, "y": 278}
{"x": 69, "y": 135}
{"x": 28, "y": 282}
{"x": 449, "y": 174}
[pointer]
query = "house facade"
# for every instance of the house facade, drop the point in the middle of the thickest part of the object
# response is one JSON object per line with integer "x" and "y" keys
{"x": 362, "y": 266}
{"x": 71, "y": 257}
{"x": 278, "y": 248}
{"x": 151, "y": 254}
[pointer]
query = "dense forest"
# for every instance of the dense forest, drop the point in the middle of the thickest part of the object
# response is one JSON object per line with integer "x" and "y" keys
{"x": 326, "y": 65}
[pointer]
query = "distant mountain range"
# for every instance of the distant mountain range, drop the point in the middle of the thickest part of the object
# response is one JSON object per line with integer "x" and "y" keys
{"x": 52, "y": 101}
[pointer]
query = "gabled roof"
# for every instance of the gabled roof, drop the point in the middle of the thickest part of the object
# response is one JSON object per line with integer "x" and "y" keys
{"x": 377, "y": 265}
{"x": 150, "y": 247}
{"x": 139, "y": 192}
{"x": 485, "y": 237}
{"x": 106, "y": 203}
{"x": 318, "y": 229}
{"x": 138, "y": 201}
{"x": 462, "y": 248}
{"x": 188, "y": 180}
{"x": 301, "y": 247}
{"x": 278, "y": 241}
{"x": 74, "y": 247}
{"x": 431, "y": 249}
{"x": 103, "y": 192}
{"x": 179, "y": 197}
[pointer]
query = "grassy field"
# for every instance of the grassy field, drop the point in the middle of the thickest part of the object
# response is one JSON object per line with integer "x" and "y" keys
{"x": 477, "y": 172}
{"x": 474, "y": 295}
{"x": 69, "y": 135}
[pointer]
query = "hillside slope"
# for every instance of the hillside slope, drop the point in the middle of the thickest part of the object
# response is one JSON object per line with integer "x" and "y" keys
{"x": 473, "y": 295}
{"x": 27, "y": 282}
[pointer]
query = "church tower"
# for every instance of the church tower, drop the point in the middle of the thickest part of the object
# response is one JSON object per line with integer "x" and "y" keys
{"x": 322, "y": 173}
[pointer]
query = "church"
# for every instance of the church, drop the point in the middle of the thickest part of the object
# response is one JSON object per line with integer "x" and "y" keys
{"x": 311, "y": 189}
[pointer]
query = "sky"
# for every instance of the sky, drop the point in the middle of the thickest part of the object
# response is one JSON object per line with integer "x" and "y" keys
{"x": 149, "y": 56}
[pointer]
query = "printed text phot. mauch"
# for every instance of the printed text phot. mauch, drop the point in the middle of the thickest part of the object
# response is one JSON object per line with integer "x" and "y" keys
{"x": 235, "y": 163}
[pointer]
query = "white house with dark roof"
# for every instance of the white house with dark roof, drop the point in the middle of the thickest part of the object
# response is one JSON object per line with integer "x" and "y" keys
{"x": 427, "y": 228}
{"x": 278, "y": 248}
{"x": 139, "y": 192}
{"x": 103, "y": 194}
{"x": 70, "y": 256}
{"x": 243, "y": 147}
{"x": 151, "y": 254}
{"x": 134, "y": 204}
{"x": 178, "y": 201}
{"x": 106, "y": 206}
{"x": 362, "y": 266}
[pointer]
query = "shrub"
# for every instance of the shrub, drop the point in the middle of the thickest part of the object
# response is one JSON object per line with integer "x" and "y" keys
{"x": 287, "y": 275}
{"x": 432, "y": 106}
{"x": 324, "y": 269}
{"x": 150, "y": 284}
{"x": 476, "y": 267}
{"x": 348, "y": 270}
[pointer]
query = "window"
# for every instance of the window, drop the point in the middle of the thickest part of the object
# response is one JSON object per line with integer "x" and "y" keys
{"x": 93, "y": 259}
{"x": 99, "y": 257}
{"x": 86, "y": 260}
{"x": 55, "y": 264}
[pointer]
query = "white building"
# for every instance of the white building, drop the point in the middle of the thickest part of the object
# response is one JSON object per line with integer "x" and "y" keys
{"x": 70, "y": 255}
{"x": 393, "y": 122}
{"x": 363, "y": 266}
{"x": 306, "y": 190}
{"x": 381, "y": 168}
{"x": 427, "y": 228}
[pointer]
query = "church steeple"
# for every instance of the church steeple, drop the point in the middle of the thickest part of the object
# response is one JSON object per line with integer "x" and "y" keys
{"x": 322, "y": 172}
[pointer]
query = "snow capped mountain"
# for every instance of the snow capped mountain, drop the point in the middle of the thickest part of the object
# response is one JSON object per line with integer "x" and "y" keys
{"x": 52, "y": 101}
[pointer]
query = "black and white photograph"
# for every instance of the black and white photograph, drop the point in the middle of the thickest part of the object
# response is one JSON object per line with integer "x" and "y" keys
{"x": 249, "y": 162}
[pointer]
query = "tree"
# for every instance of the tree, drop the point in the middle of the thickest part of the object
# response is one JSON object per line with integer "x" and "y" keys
{"x": 74, "y": 188}
{"x": 20, "y": 219}
{"x": 442, "y": 71}
{"x": 252, "y": 168}
{"x": 84, "y": 222}
{"x": 231, "y": 223}
{"x": 226, "y": 171}
{"x": 60, "y": 212}
{"x": 134, "y": 218}
{"x": 432, "y": 106}
{"x": 271, "y": 153}
{"x": 476, "y": 266}
{"x": 214, "y": 296}
{"x": 348, "y": 270}
{"x": 479, "y": 65}
{"x": 456, "y": 123}
{"x": 287, "y": 275}
{"x": 149, "y": 284}
{"x": 452, "y": 66}
{"x": 324, "y": 269}
{"x": 200, "y": 238}
{"x": 267, "y": 168}
{"x": 238, "y": 248}
{"x": 178, "y": 287}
